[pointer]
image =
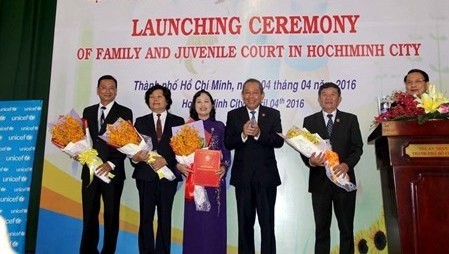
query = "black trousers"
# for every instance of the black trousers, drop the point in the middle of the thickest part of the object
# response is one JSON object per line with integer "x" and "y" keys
{"x": 91, "y": 198}
{"x": 251, "y": 200}
{"x": 344, "y": 208}
{"x": 160, "y": 194}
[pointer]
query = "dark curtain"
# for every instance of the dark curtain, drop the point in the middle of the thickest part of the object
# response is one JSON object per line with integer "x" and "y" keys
{"x": 26, "y": 44}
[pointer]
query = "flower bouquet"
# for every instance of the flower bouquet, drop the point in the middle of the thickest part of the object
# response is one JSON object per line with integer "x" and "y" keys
{"x": 71, "y": 134}
{"x": 185, "y": 141}
{"x": 124, "y": 137}
{"x": 307, "y": 143}
{"x": 429, "y": 105}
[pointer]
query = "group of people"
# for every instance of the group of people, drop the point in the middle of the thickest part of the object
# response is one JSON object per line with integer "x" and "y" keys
{"x": 252, "y": 132}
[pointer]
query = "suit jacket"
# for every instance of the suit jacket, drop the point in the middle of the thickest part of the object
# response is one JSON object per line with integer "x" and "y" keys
{"x": 106, "y": 152}
{"x": 346, "y": 141}
{"x": 254, "y": 160}
{"x": 145, "y": 125}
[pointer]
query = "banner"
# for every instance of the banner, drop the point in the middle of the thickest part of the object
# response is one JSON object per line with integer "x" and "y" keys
{"x": 291, "y": 46}
{"x": 19, "y": 125}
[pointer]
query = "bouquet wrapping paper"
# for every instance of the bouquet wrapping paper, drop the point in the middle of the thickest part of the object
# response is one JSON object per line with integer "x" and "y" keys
{"x": 307, "y": 143}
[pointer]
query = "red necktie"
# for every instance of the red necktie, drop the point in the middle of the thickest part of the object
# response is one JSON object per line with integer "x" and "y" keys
{"x": 158, "y": 127}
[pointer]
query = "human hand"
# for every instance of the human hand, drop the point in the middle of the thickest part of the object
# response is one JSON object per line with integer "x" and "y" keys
{"x": 251, "y": 128}
{"x": 158, "y": 163}
{"x": 317, "y": 160}
{"x": 184, "y": 169}
{"x": 341, "y": 169}
{"x": 142, "y": 155}
{"x": 221, "y": 171}
{"x": 103, "y": 169}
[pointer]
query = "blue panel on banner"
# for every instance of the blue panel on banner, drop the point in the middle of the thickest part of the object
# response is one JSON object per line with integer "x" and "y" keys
{"x": 19, "y": 125}
{"x": 67, "y": 239}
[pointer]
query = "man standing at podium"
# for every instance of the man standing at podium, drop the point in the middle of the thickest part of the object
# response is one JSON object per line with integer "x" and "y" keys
{"x": 342, "y": 130}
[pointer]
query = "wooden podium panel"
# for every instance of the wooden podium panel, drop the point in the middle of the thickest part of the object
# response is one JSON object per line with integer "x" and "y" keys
{"x": 413, "y": 161}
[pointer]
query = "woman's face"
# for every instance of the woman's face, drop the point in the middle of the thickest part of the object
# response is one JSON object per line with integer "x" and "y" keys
{"x": 157, "y": 101}
{"x": 203, "y": 106}
{"x": 415, "y": 84}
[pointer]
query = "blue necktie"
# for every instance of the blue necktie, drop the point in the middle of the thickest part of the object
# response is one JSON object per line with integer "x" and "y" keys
{"x": 253, "y": 118}
{"x": 330, "y": 124}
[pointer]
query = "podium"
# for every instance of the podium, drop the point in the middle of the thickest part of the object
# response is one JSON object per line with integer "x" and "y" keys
{"x": 413, "y": 161}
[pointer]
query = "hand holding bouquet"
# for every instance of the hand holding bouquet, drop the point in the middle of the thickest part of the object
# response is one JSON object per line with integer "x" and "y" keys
{"x": 307, "y": 143}
{"x": 124, "y": 137}
{"x": 185, "y": 141}
{"x": 71, "y": 134}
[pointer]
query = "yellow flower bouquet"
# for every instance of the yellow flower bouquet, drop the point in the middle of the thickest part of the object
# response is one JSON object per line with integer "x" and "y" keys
{"x": 307, "y": 143}
{"x": 125, "y": 138}
{"x": 185, "y": 141}
{"x": 71, "y": 134}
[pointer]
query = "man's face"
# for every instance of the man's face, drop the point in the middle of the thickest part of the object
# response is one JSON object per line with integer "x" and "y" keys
{"x": 107, "y": 91}
{"x": 252, "y": 95}
{"x": 415, "y": 84}
{"x": 329, "y": 99}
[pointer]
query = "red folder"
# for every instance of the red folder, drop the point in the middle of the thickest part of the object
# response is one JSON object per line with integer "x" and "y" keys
{"x": 205, "y": 166}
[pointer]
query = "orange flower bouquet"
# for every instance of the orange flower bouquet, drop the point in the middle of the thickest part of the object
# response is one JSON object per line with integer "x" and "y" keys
{"x": 71, "y": 134}
{"x": 307, "y": 143}
{"x": 185, "y": 141}
{"x": 124, "y": 137}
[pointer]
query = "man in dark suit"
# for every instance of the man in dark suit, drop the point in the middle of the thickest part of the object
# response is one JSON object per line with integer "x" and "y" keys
{"x": 346, "y": 140}
{"x": 252, "y": 131}
{"x": 155, "y": 192}
{"x": 98, "y": 116}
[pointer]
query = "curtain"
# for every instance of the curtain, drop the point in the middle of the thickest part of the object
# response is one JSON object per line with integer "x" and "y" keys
{"x": 26, "y": 44}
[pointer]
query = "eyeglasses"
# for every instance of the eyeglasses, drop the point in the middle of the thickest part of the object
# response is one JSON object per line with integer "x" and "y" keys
{"x": 418, "y": 81}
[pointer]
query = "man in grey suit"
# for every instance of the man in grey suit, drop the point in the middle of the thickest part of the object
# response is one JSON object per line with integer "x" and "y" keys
{"x": 342, "y": 129}
{"x": 252, "y": 131}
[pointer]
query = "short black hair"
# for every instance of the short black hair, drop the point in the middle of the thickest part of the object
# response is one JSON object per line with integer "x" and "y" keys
{"x": 193, "y": 113}
{"x": 425, "y": 75}
{"x": 329, "y": 85}
{"x": 165, "y": 91}
{"x": 253, "y": 80}
{"x": 106, "y": 77}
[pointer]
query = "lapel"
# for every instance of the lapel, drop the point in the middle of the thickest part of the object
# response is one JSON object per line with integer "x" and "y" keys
{"x": 337, "y": 123}
{"x": 110, "y": 118}
{"x": 261, "y": 118}
{"x": 243, "y": 115}
{"x": 321, "y": 125}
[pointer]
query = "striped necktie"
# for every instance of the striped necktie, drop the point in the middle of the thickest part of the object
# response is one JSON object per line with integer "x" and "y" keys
{"x": 330, "y": 124}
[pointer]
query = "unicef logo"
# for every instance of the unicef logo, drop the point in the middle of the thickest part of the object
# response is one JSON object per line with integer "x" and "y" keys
{"x": 2, "y": 118}
{"x": 22, "y": 198}
{"x": 32, "y": 117}
{"x": 10, "y": 128}
{"x": 1, "y": 137}
{"x": 24, "y": 179}
{"x": 29, "y": 137}
{"x": 27, "y": 158}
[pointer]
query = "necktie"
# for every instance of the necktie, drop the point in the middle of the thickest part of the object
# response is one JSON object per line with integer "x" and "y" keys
{"x": 102, "y": 117}
{"x": 253, "y": 118}
{"x": 330, "y": 124}
{"x": 158, "y": 127}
